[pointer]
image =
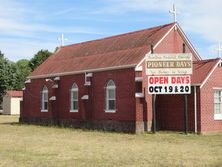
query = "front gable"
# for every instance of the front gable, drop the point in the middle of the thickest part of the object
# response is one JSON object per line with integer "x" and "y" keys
{"x": 172, "y": 42}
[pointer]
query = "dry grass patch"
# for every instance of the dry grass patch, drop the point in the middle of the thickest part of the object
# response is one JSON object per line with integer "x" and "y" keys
{"x": 28, "y": 145}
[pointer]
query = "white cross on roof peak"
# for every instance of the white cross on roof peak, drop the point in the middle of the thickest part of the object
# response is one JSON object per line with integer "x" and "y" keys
{"x": 62, "y": 39}
{"x": 174, "y": 12}
{"x": 219, "y": 49}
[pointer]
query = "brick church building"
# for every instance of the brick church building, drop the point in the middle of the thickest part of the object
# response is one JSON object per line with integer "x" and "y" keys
{"x": 102, "y": 84}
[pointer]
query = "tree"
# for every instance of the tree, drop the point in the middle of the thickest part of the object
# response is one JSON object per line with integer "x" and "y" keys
{"x": 39, "y": 58}
{"x": 22, "y": 70}
{"x": 7, "y": 75}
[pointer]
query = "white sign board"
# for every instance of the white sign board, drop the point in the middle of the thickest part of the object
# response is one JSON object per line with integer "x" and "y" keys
{"x": 169, "y": 84}
{"x": 169, "y": 64}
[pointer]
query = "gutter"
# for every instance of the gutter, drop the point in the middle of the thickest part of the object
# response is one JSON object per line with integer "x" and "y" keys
{"x": 82, "y": 71}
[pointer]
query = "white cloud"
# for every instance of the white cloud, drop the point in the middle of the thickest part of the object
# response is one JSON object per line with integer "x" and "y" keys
{"x": 21, "y": 30}
{"x": 202, "y": 17}
{"x": 13, "y": 27}
{"x": 199, "y": 16}
{"x": 18, "y": 20}
{"x": 124, "y": 6}
{"x": 13, "y": 48}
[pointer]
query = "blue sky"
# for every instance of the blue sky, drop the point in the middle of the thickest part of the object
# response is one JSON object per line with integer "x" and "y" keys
{"x": 26, "y": 26}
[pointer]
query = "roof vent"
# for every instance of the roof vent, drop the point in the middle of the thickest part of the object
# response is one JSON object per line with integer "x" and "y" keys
{"x": 56, "y": 78}
{"x": 87, "y": 81}
{"x": 55, "y": 86}
{"x": 28, "y": 81}
{"x": 53, "y": 98}
{"x": 85, "y": 97}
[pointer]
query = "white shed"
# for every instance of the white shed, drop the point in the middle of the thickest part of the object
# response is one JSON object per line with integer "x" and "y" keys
{"x": 11, "y": 102}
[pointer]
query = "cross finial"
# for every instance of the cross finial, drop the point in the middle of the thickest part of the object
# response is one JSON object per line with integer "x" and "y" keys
{"x": 174, "y": 12}
{"x": 62, "y": 39}
{"x": 219, "y": 49}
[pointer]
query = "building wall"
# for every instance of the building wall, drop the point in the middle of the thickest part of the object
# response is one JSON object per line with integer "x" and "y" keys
{"x": 91, "y": 110}
{"x": 32, "y": 99}
{"x": 11, "y": 105}
{"x": 173, "y": 43}
{"x": 170, "y": 111}
{"x": 6, "y": 105}
{"x": 208, "y": 124}
{"x": 15, "y": 105}
{"x": 129, "y": 109}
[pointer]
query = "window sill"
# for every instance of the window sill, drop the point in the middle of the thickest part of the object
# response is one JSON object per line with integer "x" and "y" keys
{"x": 110, "y": 111}
{"x": 218, "y": 117}
{"x": 44, "y": 110}
{"x": 73, "y": 111}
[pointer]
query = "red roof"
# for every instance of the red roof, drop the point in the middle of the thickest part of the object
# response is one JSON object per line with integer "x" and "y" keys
{"x": 117, "y": 51}
{"x": 14, "y": 93}
{"x": 201, "y": 70}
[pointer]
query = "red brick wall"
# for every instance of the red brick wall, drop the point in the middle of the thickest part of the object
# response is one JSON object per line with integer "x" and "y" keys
{"x": 31, "y": 99}
{"x": 125, "y": 93}
{"x": 63, "y": 96}
{"x": 89, "y": 109}
{"x": 173, "y": 43}
{"x": 170, "y": 111}
{"x": 207, "y": 103}
{"x": 128, "y": 108}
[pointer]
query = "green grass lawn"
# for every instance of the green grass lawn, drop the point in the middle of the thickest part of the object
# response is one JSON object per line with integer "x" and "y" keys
{"x": 29, "y": 145}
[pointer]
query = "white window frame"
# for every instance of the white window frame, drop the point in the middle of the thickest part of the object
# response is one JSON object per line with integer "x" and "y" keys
{"x": 73, "y": 90}
{"x": 110, "y": 86}
{"x": 44, "y": 93}
{"x": 218, "y": 116}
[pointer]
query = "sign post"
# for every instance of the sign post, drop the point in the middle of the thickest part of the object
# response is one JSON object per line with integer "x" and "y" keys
{"x": 185, "y": 115}
{"x": 154, "y": 112}
{"x": 153, "y": 103}
{"x": 169, "y": 74}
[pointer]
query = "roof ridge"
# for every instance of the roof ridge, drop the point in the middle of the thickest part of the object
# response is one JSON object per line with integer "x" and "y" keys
{"x": 120, "y": 35}
{"x": 129, "y": 47}
{"x": 205, "y": 60}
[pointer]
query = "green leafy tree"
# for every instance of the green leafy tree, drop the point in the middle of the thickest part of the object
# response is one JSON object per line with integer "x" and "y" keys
{"x": 22, "y": 70}
{"x": 7, "y": 75}
{"x": 39, "y": 58}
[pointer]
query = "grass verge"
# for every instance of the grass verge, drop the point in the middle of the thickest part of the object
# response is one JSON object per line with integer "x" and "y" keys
{"x": 29, "y": 145}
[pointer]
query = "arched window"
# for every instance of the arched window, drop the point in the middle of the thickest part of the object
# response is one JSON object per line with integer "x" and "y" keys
{"x": 110, "y": 96}
{"x": 44, "y": 107}
{"x": 74, "y": 98}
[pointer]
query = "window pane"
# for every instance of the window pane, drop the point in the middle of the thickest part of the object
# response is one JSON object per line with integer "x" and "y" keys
{"x": 107, "y": 104}
{"x": 75, "y": 95}
{"x": 111, "y": 93}
{"x": 45, "y": 96}
{"x": 74, "y": 86}
{"x": 139, "y": 87}
{"x": 75, "y": 105}
{"x": 110, "y": 83}
{"x": 42, "y": 105}
{"x": 45, "y": 106}
{"x": 216, "y": 100}
{"x": 217, "y": 96}
{"x": 217, "y": 108}
{"x": 112, "y": 105}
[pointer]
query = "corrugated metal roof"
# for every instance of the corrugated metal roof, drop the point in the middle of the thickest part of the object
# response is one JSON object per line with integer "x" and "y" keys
{"x": 201, "y": 70}
{"x": 120, "y": 50}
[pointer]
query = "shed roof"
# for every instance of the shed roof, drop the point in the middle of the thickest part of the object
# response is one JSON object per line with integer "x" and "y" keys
{"x": 201, "y": 70}
{"x": 14, "y": 93}
{"x": 116, "y": 51}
